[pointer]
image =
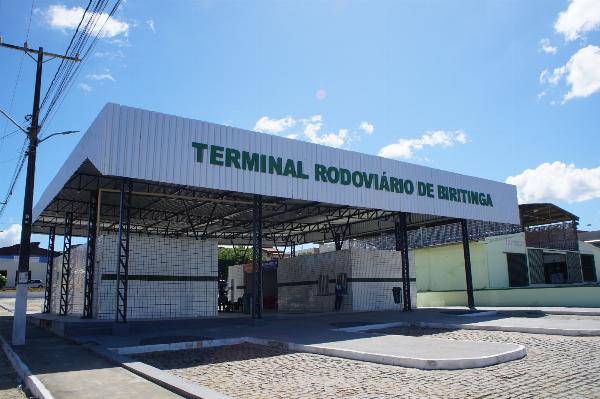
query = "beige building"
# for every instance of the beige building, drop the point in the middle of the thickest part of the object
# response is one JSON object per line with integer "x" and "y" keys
{"x": 546, "y": 265}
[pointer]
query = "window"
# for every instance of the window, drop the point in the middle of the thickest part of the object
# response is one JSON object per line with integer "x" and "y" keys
{"x": 517, "y": 270}
{"x": 588, "y": 267}
{"x": 555, "y": 268}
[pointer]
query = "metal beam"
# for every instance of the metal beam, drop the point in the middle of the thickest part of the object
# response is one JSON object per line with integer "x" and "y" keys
{"x": 66, "y": 265}
{"x": 401, "y": 235}
{"x": 257, "y": 258}
{"x": 123, "y": 252}
{"x": 467, "y": 255}
{"x": 88, "y": 293}
{"x": 49, "y": 270}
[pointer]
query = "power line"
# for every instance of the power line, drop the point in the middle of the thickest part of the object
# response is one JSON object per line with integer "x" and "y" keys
{"x": 67, "y": 73}
{"x": 21, "y": 157}
{"x": 15, "y": 177}
{"x": 12, "y": 97}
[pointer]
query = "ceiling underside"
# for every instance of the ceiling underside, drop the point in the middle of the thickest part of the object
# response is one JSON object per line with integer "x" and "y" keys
{"x": 159, "y": 208}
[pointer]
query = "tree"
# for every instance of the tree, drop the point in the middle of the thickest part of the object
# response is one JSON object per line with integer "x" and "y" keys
{"x": 232, "y": 256}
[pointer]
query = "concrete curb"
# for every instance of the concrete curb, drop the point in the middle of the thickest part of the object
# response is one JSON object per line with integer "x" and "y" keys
{"x": 419, "y": 363}
{"x": 166, "y": 380}
{"x": 521, "y": 329}
{"x": 176, "y": 346}
{"x": 33, "y": 383}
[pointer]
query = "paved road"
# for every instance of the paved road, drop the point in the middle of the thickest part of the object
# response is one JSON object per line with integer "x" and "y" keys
{"x": 34, "y": 305}
{"x": 71, "y": 371}
{"x": 30, "y": 294}
{"x": 556, "y": 366}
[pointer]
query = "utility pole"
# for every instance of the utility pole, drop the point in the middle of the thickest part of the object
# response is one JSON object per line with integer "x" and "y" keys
{"x": 20, "y": 315}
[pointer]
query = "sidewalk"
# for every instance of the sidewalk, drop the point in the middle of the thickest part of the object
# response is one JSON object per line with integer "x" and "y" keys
{"x": 71, "y": 371}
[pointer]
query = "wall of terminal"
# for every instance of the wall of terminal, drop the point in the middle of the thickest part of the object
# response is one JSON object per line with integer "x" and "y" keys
{"x": 236, "y": 282}
{"x": 168, "y": 278}
{"x": 76, "y": 282}
{"x": 307, "y": 283}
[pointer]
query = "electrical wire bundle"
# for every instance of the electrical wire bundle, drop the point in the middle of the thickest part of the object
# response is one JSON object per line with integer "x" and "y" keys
{"x": 81, "y": 45}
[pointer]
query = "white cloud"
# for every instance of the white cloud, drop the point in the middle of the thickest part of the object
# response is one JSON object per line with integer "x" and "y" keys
{"x": 546, "y": 47}
{"x": 101, "y": 76}
{"x": 321, "y": 94}
{"x": 85, "y": 87}
{"x": 584, "y": 72}
{"x": 150, "y": 23}
{"x": 331, "y": 139}
{"x": 268, "y": 125}
{"x": 581, "y": 72}
{"x": 312, "y": 125}
{"x": 10, "y": 236}
{"x": 405, "y": 148}
{"x": 311, "y": 130}
{"x": 367, "y": 127}
{"x": 581, "y": 16}
{"x": 557, "y": 181}
{"x": 61, "y": 17}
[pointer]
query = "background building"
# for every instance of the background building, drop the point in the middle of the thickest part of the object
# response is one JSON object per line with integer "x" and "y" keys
{"x": 9, "y": 263}
{"x": 546, "y": 264}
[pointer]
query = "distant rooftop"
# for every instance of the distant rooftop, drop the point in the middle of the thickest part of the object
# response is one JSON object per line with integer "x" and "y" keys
{"x": 538, "y": 214}
{"x": 35, "y": 250}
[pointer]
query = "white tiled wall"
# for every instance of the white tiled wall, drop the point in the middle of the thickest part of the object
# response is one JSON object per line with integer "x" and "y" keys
{"x": 158, "y": 256}
{"x": 357, "y": 264}
{"x": 76, "y": 282}
{"x": 374, "y": 264}
{"x": 305, "y": 298}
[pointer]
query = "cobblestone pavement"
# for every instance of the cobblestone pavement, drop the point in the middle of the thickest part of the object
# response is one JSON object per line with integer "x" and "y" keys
{"x": 9, "y": 380}
{"x": 555, "y": 367}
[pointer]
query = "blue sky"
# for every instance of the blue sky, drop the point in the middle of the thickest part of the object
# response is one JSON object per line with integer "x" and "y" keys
{"x": 495, "y": 89}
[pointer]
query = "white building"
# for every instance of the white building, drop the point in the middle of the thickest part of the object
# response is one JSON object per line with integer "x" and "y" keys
{"x": 9, "y": 263}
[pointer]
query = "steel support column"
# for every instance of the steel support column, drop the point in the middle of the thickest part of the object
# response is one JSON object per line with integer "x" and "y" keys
{"x": 293, "y": 250}
{"x": 401, "y": 235}
{"x": 123, "y": 252}
{"x": 66, "y": 265}
{"x": 88, "y": 295}
{"x": 467, "y": 255}
{"x": 257, "y": 258}
{"x": 49, "y": 270}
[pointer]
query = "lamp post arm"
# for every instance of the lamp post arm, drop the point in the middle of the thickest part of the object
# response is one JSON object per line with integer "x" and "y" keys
{"x": 57, "y": 134}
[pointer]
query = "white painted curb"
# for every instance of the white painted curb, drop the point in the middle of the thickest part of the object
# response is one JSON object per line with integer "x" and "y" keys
{"x": 419, "y": 363}
{"x": 33, "y": 383}
{"x": 165, "y": 379}
{"x": 521, "y": 329}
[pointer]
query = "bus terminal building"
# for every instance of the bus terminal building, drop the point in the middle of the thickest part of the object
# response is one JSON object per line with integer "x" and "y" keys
{"x": 154, "y": 196}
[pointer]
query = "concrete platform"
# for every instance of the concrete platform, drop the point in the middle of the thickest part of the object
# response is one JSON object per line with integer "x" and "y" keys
{"x": 414, "y": 352}
{"x": 420, "y": 352}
